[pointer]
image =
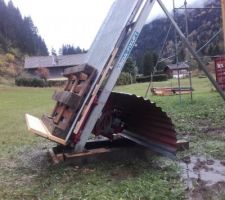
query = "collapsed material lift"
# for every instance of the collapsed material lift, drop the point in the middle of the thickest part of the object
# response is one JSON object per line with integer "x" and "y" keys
{"x": 88, "y": 105}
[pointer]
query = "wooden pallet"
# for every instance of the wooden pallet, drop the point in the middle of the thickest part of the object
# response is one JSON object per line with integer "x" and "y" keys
{"x": 37, "y": 127}
{"x": 69, "y": 100}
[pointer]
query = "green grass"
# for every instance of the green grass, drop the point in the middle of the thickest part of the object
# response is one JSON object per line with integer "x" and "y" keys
{"x": 202, "y": 120}
{"x": 25, "y": 171}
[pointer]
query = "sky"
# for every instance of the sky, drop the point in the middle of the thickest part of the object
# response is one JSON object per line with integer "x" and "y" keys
{"x": 74, "y": 22}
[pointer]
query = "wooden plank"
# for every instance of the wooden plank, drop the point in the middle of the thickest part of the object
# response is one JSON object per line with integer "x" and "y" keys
{"x": 68, "y": 98}
{"x": 83, "y": 77}
{"x": 77, "y": 69}
{"x": 87, "y": 153}
{"x": 36, "y": 126}
{"x": 74, "y": 70}
{"x": 182, "y": 145}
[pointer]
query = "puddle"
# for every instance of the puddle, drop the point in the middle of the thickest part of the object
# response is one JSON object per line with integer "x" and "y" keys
{"x": 201, "y": 170}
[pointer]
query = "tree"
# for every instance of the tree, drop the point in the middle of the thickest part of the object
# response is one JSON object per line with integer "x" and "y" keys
{"x": 18, "y": 32}
{"x": 70, "y": 49}
{"x": 42, "y": 72}
{"x": 148, "y": 64}
{"x": 130, "y": 67}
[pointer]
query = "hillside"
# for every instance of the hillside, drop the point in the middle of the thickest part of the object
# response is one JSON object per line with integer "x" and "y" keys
{"x": 202, "y": 24}
{"x": 18, "y": 37}
{"x": 18, "y": 33}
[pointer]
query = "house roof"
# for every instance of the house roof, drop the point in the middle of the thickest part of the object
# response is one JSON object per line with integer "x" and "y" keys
{"x": 180, "y": 66}
{"x": 54, "y": 61}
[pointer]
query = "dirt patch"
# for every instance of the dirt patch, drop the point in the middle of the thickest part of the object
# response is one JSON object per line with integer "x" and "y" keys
{"x": 203, "y": 192}
{"x": 205, "y": 126}
{"x": 120, "y": 174}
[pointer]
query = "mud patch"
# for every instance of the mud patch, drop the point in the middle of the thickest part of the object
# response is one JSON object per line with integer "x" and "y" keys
{"x": 209, "y": 171}
{"x": 204, "y": 178}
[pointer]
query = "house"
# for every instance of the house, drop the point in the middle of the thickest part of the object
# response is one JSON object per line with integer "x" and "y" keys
{"x": 55, "y": 64}
{"x": 181, "y": 68}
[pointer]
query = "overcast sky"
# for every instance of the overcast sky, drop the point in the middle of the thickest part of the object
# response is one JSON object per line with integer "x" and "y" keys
{"x": 73, "y": 22}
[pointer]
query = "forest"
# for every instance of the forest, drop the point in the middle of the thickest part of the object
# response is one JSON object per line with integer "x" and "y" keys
{"x": 18, "y": 33}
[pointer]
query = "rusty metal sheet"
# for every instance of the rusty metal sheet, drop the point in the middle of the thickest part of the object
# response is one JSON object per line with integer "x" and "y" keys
{"x": 144, "y": 123}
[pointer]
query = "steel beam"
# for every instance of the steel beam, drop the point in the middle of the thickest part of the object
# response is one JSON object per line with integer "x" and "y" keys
{"x": 192, "y": 51}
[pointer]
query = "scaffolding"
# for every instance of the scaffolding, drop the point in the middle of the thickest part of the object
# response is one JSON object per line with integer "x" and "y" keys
{"x": 186, "y": 35}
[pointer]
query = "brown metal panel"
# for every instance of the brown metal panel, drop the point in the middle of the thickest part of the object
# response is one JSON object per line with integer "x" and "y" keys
{"x": 220, "y": 71}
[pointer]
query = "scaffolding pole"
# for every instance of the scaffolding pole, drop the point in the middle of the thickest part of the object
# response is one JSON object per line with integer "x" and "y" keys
{"x": 176, "y": 52}
{"x": 187, "y": 34}
{"x": 223, "y": 17}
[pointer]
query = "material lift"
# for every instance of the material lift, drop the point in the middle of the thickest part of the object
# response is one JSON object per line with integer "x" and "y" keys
{"x": 87, "y": 104}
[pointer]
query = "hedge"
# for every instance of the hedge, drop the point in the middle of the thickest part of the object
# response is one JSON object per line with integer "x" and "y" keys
{"x": 156, "y": 78}
{"x": 30, "y": 82}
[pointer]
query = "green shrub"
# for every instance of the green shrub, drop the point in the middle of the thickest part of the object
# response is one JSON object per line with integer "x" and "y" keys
{"x": 16, "y": 52}
{"x": 156, "y": 78}
{"x": 27, "y": 81}
{"x": 160, "y": 77}
{"x": 125, "y": 79}
{"x": 10, "y": 57}
{"x": 2, "y": 63}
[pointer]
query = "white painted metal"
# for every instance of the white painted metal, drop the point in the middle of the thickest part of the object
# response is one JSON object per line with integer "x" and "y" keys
{"x": 129, "y": 42}
{"x": 106, "y": 40}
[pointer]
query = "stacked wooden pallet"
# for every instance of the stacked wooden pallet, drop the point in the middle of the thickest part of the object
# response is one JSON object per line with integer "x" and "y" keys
{"x": 69, "y": 100}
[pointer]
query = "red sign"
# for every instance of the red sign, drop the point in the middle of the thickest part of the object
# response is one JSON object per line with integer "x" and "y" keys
{"x": 220, "y": 71}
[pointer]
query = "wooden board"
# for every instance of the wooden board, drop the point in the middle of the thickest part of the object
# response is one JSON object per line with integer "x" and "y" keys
{"x": 36, "y": 126}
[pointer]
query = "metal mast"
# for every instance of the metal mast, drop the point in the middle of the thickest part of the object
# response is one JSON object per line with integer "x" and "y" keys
{"x": 176, "y": 51}
{"x": 223, "y": 17}
{"x": 187, "y": 34}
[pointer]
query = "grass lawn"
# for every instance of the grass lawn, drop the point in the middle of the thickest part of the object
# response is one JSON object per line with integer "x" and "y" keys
{"x": 26, "y": 173}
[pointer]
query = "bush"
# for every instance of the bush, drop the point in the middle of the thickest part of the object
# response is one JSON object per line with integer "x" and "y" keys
{"x": 160, "y": 77}
{"x": 156, "y": 78}
{"x": 42, "y": 72}
{"x": 2, "y": 63}
{"x": 10, "y": 57}
{"x": 125, "y": 79}
{"x": 27, "y": 81}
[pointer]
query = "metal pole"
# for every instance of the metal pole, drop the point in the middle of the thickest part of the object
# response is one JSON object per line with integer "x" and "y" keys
{"x": 223, "y": 17}
{"x": 192, "y": 50}
{"x": 187, "y": 34}
{"x": 176, "y": 51}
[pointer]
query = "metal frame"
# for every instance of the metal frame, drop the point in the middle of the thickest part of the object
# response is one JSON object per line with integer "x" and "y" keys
{"x": 192, "y": 51}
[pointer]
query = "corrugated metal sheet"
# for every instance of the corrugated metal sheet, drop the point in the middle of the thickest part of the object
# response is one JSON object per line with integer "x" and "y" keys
{"x": 145, "y": 123}
{"x": 220, "y": 71}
